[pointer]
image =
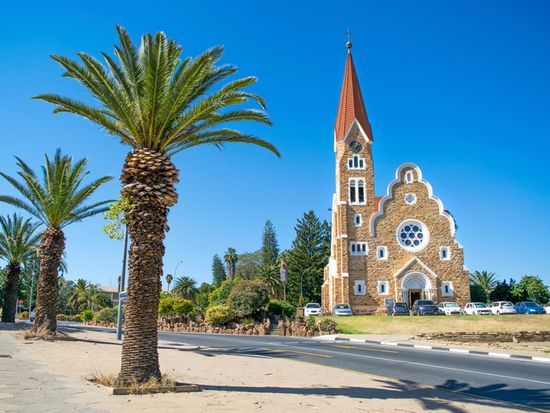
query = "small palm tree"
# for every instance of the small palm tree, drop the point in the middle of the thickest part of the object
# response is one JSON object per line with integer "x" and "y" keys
{"x": 185, "y": 287}
{"x": 270, "y": 275}
{"x": 18, "y": 242}
{"x": 159, "y": 105}
{"x": 169, "y": 279}
{"x": 56, "y": 201}
{"x": 231, "y": 259}
{"x": 485, "y": 280}
{"x": 78, "y": 294}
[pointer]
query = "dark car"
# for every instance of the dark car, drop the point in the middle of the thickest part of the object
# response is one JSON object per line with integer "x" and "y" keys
{"x": 423, "y": 307}
{"x": 397, "y": 309}
{"x": 529, "y": 307}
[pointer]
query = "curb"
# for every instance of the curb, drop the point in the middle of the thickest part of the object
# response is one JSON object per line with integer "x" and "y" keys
{"x": 450, "y": 350}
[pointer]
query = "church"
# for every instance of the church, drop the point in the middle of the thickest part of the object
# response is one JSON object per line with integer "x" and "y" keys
{"x": 397, "y": 247}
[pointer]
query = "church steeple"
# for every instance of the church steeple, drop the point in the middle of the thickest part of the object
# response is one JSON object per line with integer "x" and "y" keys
{"x": 351, "y": 104}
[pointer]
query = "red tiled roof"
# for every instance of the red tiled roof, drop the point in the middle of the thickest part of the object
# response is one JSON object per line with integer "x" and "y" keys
{"x": 377, "y": 200}
{"x": 351, "y": 104}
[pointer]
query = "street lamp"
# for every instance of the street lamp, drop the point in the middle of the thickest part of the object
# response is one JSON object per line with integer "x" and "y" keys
{"x": 284, "y": 276}
{"x": 177, "y": 265}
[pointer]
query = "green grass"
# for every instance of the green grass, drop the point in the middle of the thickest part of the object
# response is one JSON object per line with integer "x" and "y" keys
{"x": 380, "y": 324}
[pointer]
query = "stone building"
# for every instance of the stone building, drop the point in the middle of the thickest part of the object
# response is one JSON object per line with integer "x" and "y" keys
{"x": 397, "y": 247}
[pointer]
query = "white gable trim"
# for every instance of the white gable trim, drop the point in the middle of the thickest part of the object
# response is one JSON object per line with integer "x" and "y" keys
{"x": 415, "y": 260}
{"x": 356, "y": 122}
{"x": 389, "y": 195}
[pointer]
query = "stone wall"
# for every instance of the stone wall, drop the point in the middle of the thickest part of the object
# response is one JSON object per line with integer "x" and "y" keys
{"x": 516, "y": 337}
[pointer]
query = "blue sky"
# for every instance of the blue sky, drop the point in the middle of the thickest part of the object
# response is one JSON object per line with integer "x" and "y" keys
{"x": 459, "y": 87}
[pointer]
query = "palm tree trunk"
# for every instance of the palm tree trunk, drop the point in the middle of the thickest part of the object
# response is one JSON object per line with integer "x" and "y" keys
{"x": 10, "y": 292}
{"x": 148, "y": 178}
{"x": 52, "y": 246}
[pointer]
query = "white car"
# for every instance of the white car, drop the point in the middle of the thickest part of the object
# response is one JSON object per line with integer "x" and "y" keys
{"x": 450, "y": 308}
{"x": 503, "y": 307}
{"x": 547, "y": 308}
{"x": 312, "y": 309}
{"x": 477, "y": 309}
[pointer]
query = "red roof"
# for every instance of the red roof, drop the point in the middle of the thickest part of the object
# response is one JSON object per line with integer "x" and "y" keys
{"x": 351, "y": 104}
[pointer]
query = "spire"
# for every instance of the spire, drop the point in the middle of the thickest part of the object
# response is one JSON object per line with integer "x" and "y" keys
{"x": 351, "y": 104}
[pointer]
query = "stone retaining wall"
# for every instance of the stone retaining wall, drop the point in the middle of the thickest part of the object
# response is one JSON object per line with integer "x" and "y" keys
{"x": 516, "y": 337}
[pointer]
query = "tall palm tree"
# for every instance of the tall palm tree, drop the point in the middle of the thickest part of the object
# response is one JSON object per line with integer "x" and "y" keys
{"x": 231, "y": 259}
{"x": 485, "y": 280}
{"x": 18, "y": 241}
{"x": 185, "y": 287}
{"x": 169, "y": 279}
{"x": 271, "y": 276}
{"x": 158, "y": 104}
{"x": 56, "y": 201}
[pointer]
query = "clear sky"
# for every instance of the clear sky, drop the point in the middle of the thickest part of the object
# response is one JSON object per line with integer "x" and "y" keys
{"x": 462, "y": 88}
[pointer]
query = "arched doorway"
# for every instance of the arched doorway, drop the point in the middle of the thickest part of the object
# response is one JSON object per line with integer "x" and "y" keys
{"x": 415, "y": 286}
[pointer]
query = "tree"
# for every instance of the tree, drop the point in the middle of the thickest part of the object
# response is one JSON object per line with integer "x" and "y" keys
{"x": 230, "y": 259}
{"x": 531, "y": 288}
{"x": 158, "y": 104}
{"x": 478, "y": 294}
{"x": 248, "y": 298}
{"x": 503, "y": 291}
{"x": 270, "y": 245}
{"x": 18, "y": 242}
{"x": 56, "y": 201}
{"x": 185, "y": 287}
{"x": 169, "y": 279}
{"x": 271, "y": 277}
{"x": 248, "y": 265}
{"x": 201, "y": 298}
{"x": 307, "y": 258}
{"x": 485, "y": 280}
{"x": 218, "y": 271}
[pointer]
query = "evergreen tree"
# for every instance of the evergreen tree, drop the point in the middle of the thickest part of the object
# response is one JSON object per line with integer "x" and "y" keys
{"x": 270, "y": 245}
{"x": 531, "y": 288}
{"x": 307, "y": 258}
{"x": 218, "y": 270}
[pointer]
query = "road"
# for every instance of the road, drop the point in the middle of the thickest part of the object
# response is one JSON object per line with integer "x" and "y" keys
{"x": 523, "y": 383}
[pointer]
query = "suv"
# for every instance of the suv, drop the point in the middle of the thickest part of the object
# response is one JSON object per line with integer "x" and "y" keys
{"x": 312, "y": 309}
{"x": 423, "y": 307}
{"x": 397, "y": 309}
{"x": 450, "y": 308}
{"x": 503, "y": 307}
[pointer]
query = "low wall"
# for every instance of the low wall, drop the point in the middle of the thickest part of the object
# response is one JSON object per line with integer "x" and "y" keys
{"x": 516, "y": 337}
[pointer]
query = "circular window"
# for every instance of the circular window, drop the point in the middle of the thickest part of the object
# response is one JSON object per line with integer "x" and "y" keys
{"x": 412, "y": 235}
{"x": 410, "y": 199}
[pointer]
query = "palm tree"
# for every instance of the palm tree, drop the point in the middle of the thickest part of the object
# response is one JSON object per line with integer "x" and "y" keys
{"x": 56, "y": 201}
{"x": 270, "y": 275}
{"x": 485, "y": 280}
{"x": 185, "y": 287}
{"x": 158, "y": 104}
{"x": 18, "y": 241}
{"x": 231, "y": 259}
{"x": 78, "y": 294}
{"x": 169, "y": 279}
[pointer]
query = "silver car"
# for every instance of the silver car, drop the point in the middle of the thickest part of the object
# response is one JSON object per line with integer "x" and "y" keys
{"x": 503, "y": 307}
{"x": 341, "y": 309}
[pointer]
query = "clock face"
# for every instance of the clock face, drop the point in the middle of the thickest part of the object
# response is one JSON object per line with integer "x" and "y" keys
{"x": 355, "y": 146}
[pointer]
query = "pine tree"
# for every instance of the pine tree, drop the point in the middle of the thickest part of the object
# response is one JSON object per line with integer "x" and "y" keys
{"x": 270, "y": 245}
{"x": 307, "y": 258}
{"x": 218, "y": 270}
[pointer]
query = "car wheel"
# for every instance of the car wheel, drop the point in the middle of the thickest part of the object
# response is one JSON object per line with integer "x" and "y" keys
{"x": 498, "y": 312}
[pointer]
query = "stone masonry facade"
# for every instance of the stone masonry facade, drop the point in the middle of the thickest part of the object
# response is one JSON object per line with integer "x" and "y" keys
{"x": 400, "y": 247}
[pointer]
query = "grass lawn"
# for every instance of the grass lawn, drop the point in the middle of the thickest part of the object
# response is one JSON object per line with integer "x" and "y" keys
{"x": 380, "y": 324}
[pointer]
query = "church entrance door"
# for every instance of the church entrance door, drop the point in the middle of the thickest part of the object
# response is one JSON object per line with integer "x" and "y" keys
{"x": 414, "y": 294}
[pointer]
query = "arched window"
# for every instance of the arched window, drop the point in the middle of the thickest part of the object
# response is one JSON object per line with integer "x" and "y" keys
{"x": 353, "y": 191}
{"x": 356, "y": 162}
{"x": 361, "y": 191}
{"x": 409, "y": 177}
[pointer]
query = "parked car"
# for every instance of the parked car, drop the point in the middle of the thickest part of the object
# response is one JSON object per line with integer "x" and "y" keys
{"x": 312, "y": 309}
{"x": 450, "y": 308}
{"x": 477, "y": 309}
{"x": 423, "y": 307}
{"x": 547, "y": 308}
{"x": 397, "y": 309}
{"x": 341, "y": 309}
{"x": 503, "y": 307}
{"x": 529, "y": 307}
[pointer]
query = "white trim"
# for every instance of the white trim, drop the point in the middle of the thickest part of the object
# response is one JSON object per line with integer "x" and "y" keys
{"x": 413, "y": 274}
{"x": 389, "y": 195}
{"x": 410, "y": 195}
{"x": 415, "y": 260}
{"x": 359, "y": 160}
{"x": 357, "y": 181}
{"x": 448, "y": 253}
{"x": 382, "y": 248}
{"x": 345, "y": 274}
{"x": 363, "y": 285}
{"x": 361, "y": 248}
{"x": 425, "y": 232}
{"x": 451, "y": 289}
{"x": 355, "y": 220}
{"x": 386, "y": 285}
{"x": 346, "y": 135}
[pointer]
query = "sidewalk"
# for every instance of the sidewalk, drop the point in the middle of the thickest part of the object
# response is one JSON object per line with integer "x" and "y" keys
{"x": 50, "y": 377}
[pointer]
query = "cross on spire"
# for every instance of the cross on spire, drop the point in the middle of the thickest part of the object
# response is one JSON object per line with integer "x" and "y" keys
{"x": 348, "y": 43}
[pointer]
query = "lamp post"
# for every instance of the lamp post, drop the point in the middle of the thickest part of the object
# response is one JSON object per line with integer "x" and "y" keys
{"x": 177, "y": 265}
{"x": 284, "y": 276}
{"x": 121, "y": 286}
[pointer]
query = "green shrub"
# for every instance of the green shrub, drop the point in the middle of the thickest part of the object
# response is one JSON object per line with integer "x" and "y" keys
{"x": 86, "y": 315}
{"x": 219, "y": 315}
{"x": 246, "y": 321}
{"x": 327, "y": 325}
{"x": 310, "y": 320}
{"x": 106, "y": 315}
{"x": 278, "y": 307}
{"x": 66, "y": 317}
{"x": 75, "y": 317}
{"x": 174, "y": 306}
{"x": 248, "y": 297}
{"x": 24, "y": 315}
{"x": 220, "y": 294}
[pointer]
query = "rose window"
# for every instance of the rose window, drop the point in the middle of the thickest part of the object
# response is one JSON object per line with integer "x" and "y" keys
{"x": 412, "y": 235}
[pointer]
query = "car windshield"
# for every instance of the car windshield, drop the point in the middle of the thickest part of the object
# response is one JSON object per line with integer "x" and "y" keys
{"x": 341, "y": 306}
{"x": 425, "y": 302}
{"x": 313, "y": 306}
{"x": 531, "y": 304}
{"x": 401, "y": 305}
{"x": 479, "y": 305}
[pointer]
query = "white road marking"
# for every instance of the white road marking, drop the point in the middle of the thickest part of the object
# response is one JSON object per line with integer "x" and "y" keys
{"x": 425, "y": 365}
{"x": 501, "y": 355}
{"x": 543, "y": 359}
{"x": 356, "y": 340}
{"x": 389, "y": 343}
{"x": 459, "y": 350}
{"x": 422, "y": 346}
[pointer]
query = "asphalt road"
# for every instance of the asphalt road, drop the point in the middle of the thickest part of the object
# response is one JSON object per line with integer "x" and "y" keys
{"x": 525, "y": 384}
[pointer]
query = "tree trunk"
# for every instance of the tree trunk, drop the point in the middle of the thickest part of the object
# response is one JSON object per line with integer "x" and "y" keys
{"x": 148, "y": 183}
{"x": 52, "y": 245}
{"x": 10, "y": 292}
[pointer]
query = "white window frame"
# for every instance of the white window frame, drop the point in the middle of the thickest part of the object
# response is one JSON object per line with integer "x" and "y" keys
{"x": 409, "y": 177}
{"x": 358, "y": 283}
{"x": 448, "y": 284}
{"x": 357, "y": 248}
{"x": 360, "y": 223}
{"x": 408, "y": 195}
{"x": 386, "y": 285}
{"x": 356, "y": 184}
{"x": 356, "y": 159}
{"x": 385, "y": 252}
{"x": 447, "y": 251}
{"x": 425, "y": 232}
